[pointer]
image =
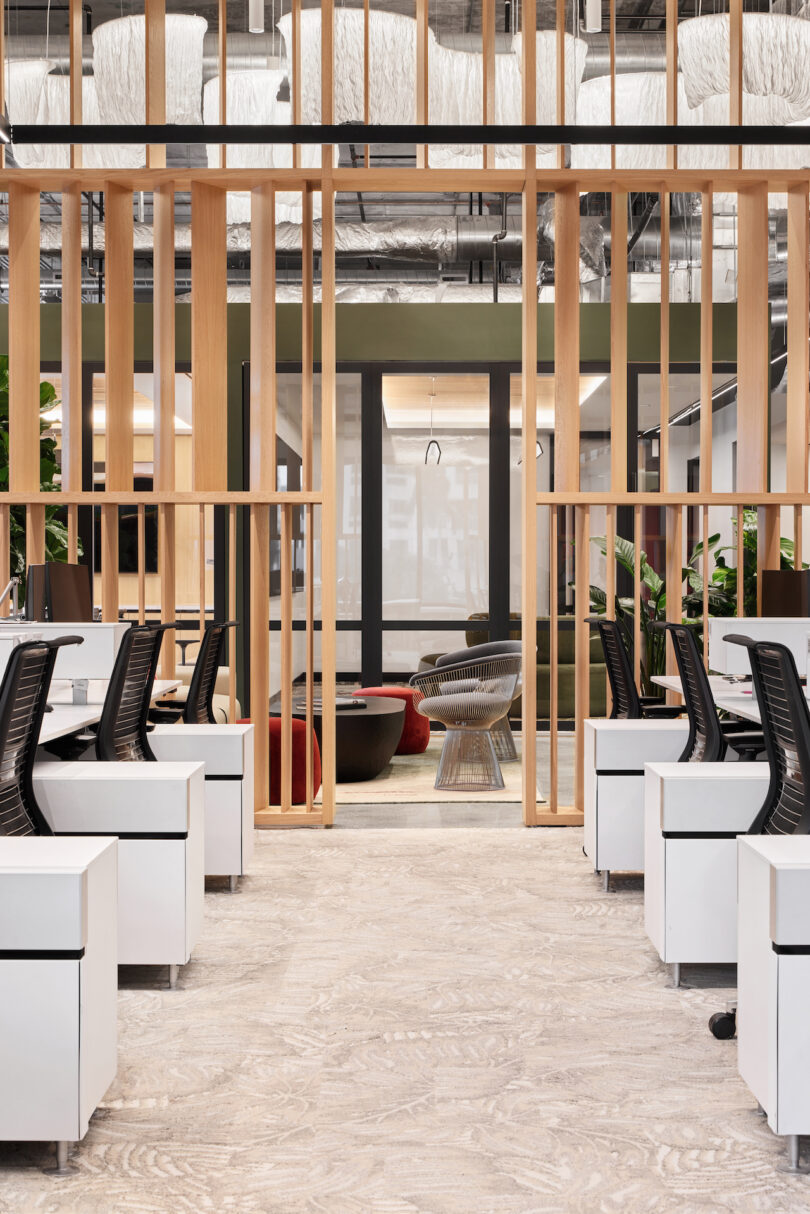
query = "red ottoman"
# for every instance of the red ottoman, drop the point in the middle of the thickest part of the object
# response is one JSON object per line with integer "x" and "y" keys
{"x": 416, "y": 730}
{"x": 299, "y": 760}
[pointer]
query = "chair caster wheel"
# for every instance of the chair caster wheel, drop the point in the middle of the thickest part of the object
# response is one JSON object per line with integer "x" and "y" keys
{"x": 723, "y": 1025}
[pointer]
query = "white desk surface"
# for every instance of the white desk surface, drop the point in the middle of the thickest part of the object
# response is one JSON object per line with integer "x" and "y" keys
{"x": 68, "y": 718}
{"x": 719, "y": 684}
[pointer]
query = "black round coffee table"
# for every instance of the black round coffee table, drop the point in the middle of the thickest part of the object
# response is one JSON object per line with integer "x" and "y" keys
{"x": 365, "y": 739}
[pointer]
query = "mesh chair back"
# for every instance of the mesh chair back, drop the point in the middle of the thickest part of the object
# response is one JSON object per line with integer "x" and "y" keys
{"x": 705, "y": 743}
{"x": 23, "y": 696}
{"x": 786, "y": 726}
{"x": 121, "y": 733}
{"x": 199, "y": 703}
{"x": 623, "y": 692}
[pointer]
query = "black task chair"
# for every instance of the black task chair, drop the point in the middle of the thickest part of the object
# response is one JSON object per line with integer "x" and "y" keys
{"x": 709, "y": 737}
{"x": 786, "y": 727}
{"x": 198, "y": 707}
{"x": 23, "y": 696}
{"x": 122, "y": 730}
{"x": 628, "y": 705}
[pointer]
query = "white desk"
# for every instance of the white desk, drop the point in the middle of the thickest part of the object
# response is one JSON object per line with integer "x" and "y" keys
{"x": 58, "y": 986}
{"x": 717, "y": 682}
{"x": 68, "y": 718}
{"x": 733, "y": 659}
{"x": 93, "y": 659}
{"x": 773, "y": 980}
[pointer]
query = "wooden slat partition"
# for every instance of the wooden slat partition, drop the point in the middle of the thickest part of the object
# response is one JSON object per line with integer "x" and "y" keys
{"x": 422, "y": 103}
{"x": 610, "y": 579}
{"x": 735, "y": 40}
{"x": 738, "y": 515}
{"x": 163, "y": 383}
{"x": 329, "y": 489}
{"x": 768, "y": 546}
{"x": 618, "y": 341}
{"x": 307, "y": 339}
{"x": 155, "y": 23}
{"x": 141, "y": 563}
{"x": 671, "y": 38}
{"x": 706, "y": 572}
{"x": 232, "y": 541}
{"x": 71, "y": 467}
{"x": 75, "y": 57}
{"x": 209, "y": 325}
{"x": 309, "y": 658}
{"x": 753, "y": 340}
{"x": 488, "y": 73}
{"x": 582, "y": 687}
{"x": 706, "y": 337}
{"x": 528, "y": 594}
{"x": 637, "y": 549}
{"x": 259, "y": 526}
{"x": 664, "y": 347}
{"x": 553, "y": 674}
{"x": 201, "y": 567}
{"x": 798, "y": 348}
{"x": 286, "y": 658}
{"x": 5, "y": 555}
{"x": 23, "y": 338}
{"x": 566, "y": 339}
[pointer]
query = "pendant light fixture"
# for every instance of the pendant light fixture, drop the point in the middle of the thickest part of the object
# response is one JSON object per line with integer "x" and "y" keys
{"x": 256, "y": 16}
{"x": 593, "y": 16}
{"x": 432, "y": 443}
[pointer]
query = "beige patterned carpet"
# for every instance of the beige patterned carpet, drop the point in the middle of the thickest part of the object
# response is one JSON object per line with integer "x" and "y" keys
{"x": 419, "y": 1021}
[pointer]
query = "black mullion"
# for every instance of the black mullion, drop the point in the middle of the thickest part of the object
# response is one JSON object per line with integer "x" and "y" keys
{"x": 371, "y": 527}
{"x": 499, "y": 504}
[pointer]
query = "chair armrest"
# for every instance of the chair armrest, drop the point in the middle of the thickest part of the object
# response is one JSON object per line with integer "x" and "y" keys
{"x": 165, "y": 713}
{"x": 662, "y": 712}
{"x": 118, "y": 798}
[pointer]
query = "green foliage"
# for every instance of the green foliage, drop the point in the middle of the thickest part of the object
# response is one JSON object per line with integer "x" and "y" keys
{"x": 722, "y": 591}
{"x": 55, "y": 531}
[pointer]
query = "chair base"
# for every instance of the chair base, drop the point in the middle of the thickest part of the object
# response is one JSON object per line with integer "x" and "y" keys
{"x": 503, "y": 741}
{"x": 468, "y": 762}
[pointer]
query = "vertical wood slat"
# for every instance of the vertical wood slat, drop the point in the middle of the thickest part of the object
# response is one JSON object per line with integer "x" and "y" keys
{"x": 307, "y": 339}
{"x": 209, "y": 326}
{"x": 109, "y": 563}
{"x": 735, "y": 43}
{"x": 259, "y": 527}
{"x": 3, "y": 74}
{"x": 566, "y": 339}
{"x": 141, "y": 563}
{"x": 612, "y": 60}
{"x": 738, "y": 514}
{"x": 553, "y": 657}
{"x": 671, "y": 38}
{"x": 232, "y": 614}
{"x": 295, "y": 95}
{"x": 163, "y": 384}
{"x": 753, "y": 340}
{"x": 73, "y": 534}
{"x": 798, "y": 348}
{"x": 71, "y": 338}
{"x": 768, "y": 545}
{"x": 637, "y": 537}
{"x": 75, "y": 56}
{"x": 560, "y": 75}
{"x": 610, "y": 579}
{"x": 329, "y": 491}
{"x": 201, "y": 567}
{"x": 582, "y": 570}
{"x": 366, "y": 74}
{"x": 263, "y": 338}
{"x": 286, "y": 657}
{"x": 23, "y": 338}
{"x": 222, "y": 66}
{"x": 327, "y": 74}
{"x": 664, "y": 346}
{"x": 674, "y": 575}
{"x": 706, "y": 338}
{"x": 488, "y": 74}
{"x": 309, "y": 660}
{"x": 119, "y": 335}
{"x": 422, "y": 102}
{"x": 798, "y": 548}
{"x": 35, "y": 535}
{"x": 618, "y": 342}
{"x": 706, "y": 577}
{"x": 528, "y": 483}
{"x": 155, "y": 76}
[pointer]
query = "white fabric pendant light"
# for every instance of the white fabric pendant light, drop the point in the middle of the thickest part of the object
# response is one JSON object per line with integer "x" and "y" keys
{"x": 251, "y": 98}
{"x": 776, "y": 58}
{"x": 25, "y": 82}
{"x": 576, "y": 51}
{"x": 119, "y": 65}
{"x": 54, "y": 110}
{"x": 641, "y": 98}
{"x": 256, "y": 16}
{"x": 392, "y": 65}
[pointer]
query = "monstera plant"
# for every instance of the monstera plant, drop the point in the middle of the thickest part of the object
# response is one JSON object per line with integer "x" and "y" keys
{"x": 56, "y": 536}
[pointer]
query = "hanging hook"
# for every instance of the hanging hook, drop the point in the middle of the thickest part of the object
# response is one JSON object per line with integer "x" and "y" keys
{"x": 433, "y": 442}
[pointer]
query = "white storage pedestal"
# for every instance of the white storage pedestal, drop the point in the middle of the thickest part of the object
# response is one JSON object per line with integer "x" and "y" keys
{"x": 615, "y": 754}
{"x": 693, "y": 815}
{"x": 227, "y": 752}
{"x": 58, "y": 986}
{"x": 157, "y": 812}
{"x": 773, "y": 980}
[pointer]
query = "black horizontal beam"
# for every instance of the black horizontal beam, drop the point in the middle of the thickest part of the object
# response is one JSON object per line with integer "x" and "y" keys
{"x": 359, "y": 133}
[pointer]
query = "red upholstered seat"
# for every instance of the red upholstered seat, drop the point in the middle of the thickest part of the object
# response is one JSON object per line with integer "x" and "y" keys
{"x": 416, "y": 730}
{"x": 299, "y": 760}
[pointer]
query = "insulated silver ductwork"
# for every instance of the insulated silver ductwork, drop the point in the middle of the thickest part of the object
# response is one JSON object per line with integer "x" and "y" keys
{"x": 644, "y": 51}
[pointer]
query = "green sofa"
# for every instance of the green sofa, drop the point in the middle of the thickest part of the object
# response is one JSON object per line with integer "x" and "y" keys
{"x": 565, "y": 669}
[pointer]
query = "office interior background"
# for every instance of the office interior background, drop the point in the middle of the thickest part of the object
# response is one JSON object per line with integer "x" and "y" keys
{"x": 383, "y": 391}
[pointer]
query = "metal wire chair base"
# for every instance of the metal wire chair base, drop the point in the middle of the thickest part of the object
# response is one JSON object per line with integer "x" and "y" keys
{"x": 504, "y": 743}
{"x": 468, "y": 762}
